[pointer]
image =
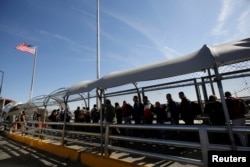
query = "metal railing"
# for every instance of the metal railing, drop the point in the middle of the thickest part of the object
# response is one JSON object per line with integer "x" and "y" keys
{"x": 88, "y": 134}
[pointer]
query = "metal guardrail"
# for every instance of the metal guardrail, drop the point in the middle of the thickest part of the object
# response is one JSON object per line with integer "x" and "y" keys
{"x": 89, "y": 134}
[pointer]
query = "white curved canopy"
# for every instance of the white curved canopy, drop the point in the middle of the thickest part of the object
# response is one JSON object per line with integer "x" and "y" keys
{"x": 206, "y": 57}
{"x": 80, "y": 87}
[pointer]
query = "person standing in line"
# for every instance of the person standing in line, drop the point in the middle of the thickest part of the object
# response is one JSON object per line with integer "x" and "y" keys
{"x": 160, "y": 118}
{"x": 126, "y": 116}
{"x": 95, "y": 114}
{"x": 187, "y": 114}
{"x": 61, "y": 115}
{"x": 148, "y": 111}
{"x": 236, "y": 111}
{"x": 87, "y": 115}
{"x": 76, "y": 114}
{"x": 110, "y": 117}
{"x": 160, "y": 113}
{"x": 95, "y": 117}
{"x": 53, "y": 117}
{"x": 148, "y": 117}
{"x": 137, "y": 112}
{"x": 137, "y": 116}
{"x": 22, "y": 119}
{"x": 126, "y": 112}
{"x": 118, "y": 111}
{"x": 173, "y": 108}
{"x": 213, "y": 109}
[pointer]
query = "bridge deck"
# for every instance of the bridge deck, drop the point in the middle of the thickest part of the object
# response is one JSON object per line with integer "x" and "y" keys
{"x": 17, "y": 150}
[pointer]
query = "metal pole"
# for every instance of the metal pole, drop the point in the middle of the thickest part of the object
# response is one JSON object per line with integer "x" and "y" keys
{"x": 211, "y": 82}
{"x": 1, "y": 82}
{"x": 33, "y": 75}
{"x": 98, "y": 41}
{"x": 225, "y": 109}
{"x": 97, "y": 48}
{"x": 138, "y": 91}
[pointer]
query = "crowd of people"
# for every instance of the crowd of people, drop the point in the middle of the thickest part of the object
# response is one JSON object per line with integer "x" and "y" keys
{"x": 144, "y": 113}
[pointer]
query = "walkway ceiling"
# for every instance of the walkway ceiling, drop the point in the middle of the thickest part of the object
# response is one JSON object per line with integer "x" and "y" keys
{"x": 204, "y": 58}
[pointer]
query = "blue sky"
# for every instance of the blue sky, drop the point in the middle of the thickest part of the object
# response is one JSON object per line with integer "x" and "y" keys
{"x": 133, "y": 33}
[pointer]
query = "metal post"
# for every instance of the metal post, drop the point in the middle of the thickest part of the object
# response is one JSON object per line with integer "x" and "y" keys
{"x": 101, "y": 96}
{"x": 224, "y": 105}
{"x": 64, "y": 120}
{"x": 97, "y": 47}
{"x": 1, "y": 83}
{"x": 204, "y": 144}
{"x": 106, "y": 139}
{"x": 204, "y": 90}
{"x": 211, "y": 82}
{"x": 33, "y": 76}
{"x": 98, "y": 40}
{"x": 138, "y": 91}
{"x": 197, "y": 90}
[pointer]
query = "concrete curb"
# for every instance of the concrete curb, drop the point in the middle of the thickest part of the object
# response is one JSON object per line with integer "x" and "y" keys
{"x": 86, "y": 158}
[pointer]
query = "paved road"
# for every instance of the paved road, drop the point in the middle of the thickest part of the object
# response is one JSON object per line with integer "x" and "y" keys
{"x": 14, "y": 154}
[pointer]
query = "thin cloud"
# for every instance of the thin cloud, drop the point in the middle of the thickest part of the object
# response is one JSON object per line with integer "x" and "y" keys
{"x": 114, "y": 60}
{"x": 171, "y": 52}
{"x": 243, "y": 24}
{"x": 19, "y": 32}
{"x": 226, "y": 11}
{"x": 147, "y": 32}
{"x": 60, "y": 37}
{"x": 75, "y": 46}
{"x": 110, "y": 37}
{"x": 233, "y": 13}
{"x": 85, "y": 13}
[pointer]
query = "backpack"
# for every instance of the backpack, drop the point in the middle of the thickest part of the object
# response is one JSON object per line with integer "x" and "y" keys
{"x": 81, "y": 115}
{"x": 168, "y": 114}
{"x": 68, "y": 117}
{"x": 129, "y": 109}
{"x": 236, "y": 107}
{"x": 196, "y": 108}
{"x": 244, "y": 107}
{"x": 148, "y": 111}
{"x": 177, "y": 106}
{"x": 94, "y": 113}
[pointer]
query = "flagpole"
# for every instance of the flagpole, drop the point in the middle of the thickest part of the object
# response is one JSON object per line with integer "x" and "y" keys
{"x": 97, "y": 47}
{"x": 98, "y": 41}
{"x": 33, "y": 75}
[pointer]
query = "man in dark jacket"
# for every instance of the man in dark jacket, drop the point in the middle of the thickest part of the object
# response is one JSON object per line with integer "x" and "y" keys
{"x": 173, "y": 108}
{"x": 214, "y": 110}
{"x": 187, "y": 114}
{"x": 137, "y": 113}
{"x": 109, "y": 112}
{"x": 237, "y": 115}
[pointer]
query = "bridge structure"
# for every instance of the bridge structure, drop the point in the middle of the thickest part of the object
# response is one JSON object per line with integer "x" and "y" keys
{"x": 182, "y": 145}
{"x": 209, "y": 70}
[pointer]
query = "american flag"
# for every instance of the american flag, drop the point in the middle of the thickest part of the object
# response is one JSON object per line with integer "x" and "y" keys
{"x": 26, "y": 48}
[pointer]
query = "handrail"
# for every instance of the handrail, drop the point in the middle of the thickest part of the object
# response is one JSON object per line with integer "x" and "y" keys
{"x": 203, "y": 144}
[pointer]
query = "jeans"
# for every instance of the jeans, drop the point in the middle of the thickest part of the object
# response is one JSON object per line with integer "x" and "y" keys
{"x": 242, "y": 137}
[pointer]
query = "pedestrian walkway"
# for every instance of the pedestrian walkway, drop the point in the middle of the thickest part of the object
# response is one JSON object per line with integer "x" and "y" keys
{"x": 15, "y": 154}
